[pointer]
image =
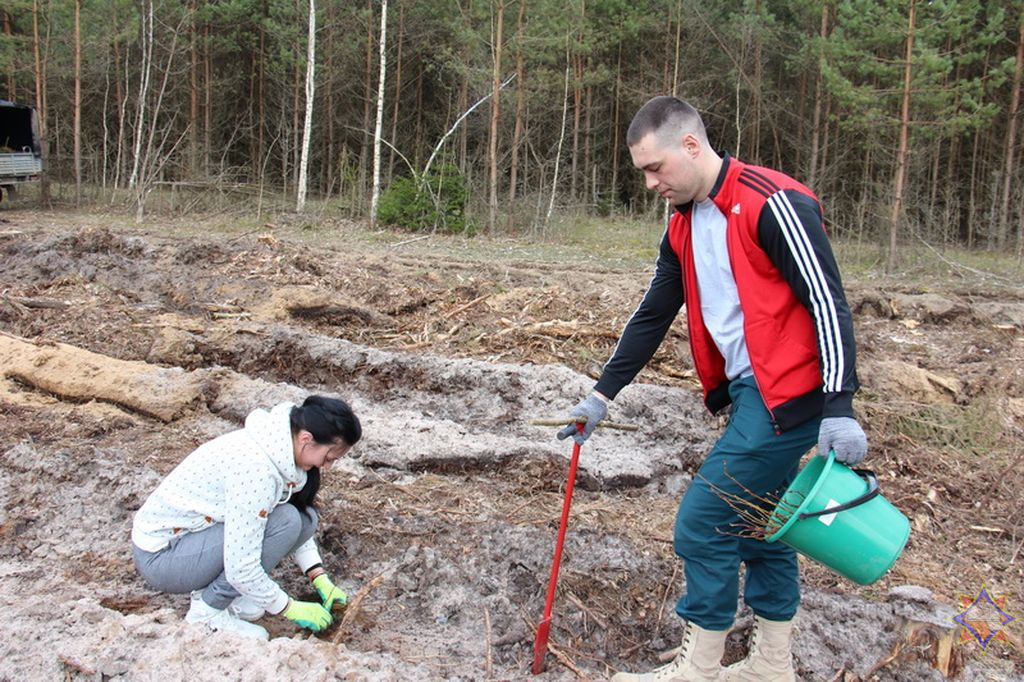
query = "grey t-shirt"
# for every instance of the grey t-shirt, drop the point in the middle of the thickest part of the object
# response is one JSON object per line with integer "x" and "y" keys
{"x": 719, "y": 300}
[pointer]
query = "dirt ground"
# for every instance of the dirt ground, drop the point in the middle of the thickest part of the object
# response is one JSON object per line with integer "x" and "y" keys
{"x": 123, "y": 347}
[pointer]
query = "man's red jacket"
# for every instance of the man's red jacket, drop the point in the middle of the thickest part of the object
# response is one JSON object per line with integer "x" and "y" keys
{"x": 797, "y": 324}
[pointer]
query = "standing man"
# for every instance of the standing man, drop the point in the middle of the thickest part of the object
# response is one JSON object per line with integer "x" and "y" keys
{"x": 772, "y": 336}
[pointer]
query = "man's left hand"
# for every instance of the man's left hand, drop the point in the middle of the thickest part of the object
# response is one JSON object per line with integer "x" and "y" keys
{"x": 845, "y": 436}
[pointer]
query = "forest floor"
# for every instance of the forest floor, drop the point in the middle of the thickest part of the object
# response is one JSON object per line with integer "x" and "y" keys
{"x": 125, "y": 346}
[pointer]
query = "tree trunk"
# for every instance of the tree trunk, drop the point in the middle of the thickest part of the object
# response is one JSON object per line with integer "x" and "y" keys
{"x": 251, "y": 105}
{"x": 379, "y": 125}
{"x": 46, "y": 66}
{"x": 77, "y": 114}
{"x": 296, "y": 130}
{"x": 577, "y": 100}
{"x": 44, "y": 184}
{"x": 327, "y": 168}
{"x": 952, "y": 189}
{"x": 972, "y": 194}
{"x": 666, "y": 209}
{"x": 12, "y": 93}
{"x": 589, "y": 188}
{"x": 816, "y": 133}
{"x": 666, "y": 72}
{"x": 561, "y": 139}
{"x": 307, "y": 126}
{"x": 39, "y": 76}
{"x": 121, "y": 94}
{"x": 460, "y": 119}
{"x": 396, "y": 106}
{"x": 364, "y": 146}
{"x": 261, "y": 103}
{"x": 105, "y": 118}
{"x": 937, "y": 220}
{"x": 577, "y": 110}
{"x": 207, "y": 99}
{"x": 826, "y": 146}
{"x": 613, "y": 200}
{"x": 1008, "y": 153}
{"x": 866, "y": 183}
{"x": 517, "y": 131}
{"x": 801, "y": 115}
{"x": 418, "y": 143}
{"x": 145, "y": 66}
{"x": 675, "y": 53}
{"x": 193, "y": 92}
{"x": 492, "y": 147}
{"x": 151, "y": 163}
{"x": 933, "y": 220}
{"x": 463, "y": 102}
{"x": 901, "y": 154}
{"x": 755, "y": 133}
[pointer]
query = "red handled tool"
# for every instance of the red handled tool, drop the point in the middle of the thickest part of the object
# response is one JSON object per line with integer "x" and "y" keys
{"x": 540, "y": 644}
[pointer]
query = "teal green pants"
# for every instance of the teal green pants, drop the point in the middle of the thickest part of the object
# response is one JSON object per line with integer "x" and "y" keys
{"x": 750, "y": 459}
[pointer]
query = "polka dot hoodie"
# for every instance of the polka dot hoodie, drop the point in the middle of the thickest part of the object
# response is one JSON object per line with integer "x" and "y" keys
{"x": 236, "y": 479}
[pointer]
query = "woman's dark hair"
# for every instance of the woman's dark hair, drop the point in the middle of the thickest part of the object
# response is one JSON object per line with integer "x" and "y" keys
{"x": 327, "y": 419}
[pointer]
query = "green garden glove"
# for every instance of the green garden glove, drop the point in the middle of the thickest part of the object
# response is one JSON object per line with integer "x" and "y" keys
{"x": 330, "y": 594}
{"x": 309, "y": 615}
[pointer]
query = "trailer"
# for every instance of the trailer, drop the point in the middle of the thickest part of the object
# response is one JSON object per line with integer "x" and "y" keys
{"x": 21, "y": 152}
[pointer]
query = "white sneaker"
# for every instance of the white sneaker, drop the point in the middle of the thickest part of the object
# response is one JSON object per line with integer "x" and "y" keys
{"x": 246, "y": 609}
{"x": 201, "y": 613}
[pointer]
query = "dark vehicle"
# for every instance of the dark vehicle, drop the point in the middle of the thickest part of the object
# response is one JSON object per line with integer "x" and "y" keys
{"x": 21, "y": 154}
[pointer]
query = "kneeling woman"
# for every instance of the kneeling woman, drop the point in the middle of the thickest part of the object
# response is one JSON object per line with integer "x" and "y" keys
{"x": 235, "y": 507}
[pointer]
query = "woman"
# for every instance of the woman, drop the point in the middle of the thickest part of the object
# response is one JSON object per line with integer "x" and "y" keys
{"x": 235, "y": 507}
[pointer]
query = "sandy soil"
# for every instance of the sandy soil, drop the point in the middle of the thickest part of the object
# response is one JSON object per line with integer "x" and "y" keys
{"x": 123, "y": 347}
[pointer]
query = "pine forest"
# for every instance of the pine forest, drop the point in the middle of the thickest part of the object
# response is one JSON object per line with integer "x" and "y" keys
{"x": 476, "y": 115}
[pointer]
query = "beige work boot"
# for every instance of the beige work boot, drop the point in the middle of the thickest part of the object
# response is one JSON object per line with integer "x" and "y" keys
{"x": 699, "y": 659}
{"x": 769, "y": 659}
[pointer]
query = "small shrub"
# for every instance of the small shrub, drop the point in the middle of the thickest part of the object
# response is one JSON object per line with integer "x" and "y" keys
{"x": 439, "y": 205}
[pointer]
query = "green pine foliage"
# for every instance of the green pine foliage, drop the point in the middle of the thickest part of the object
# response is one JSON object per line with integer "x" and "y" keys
{"x": 435, "y": 203}
{"x": 228, "y": 79}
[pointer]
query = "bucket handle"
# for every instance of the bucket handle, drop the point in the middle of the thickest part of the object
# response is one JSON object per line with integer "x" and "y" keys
{"x": 871, "y": 493}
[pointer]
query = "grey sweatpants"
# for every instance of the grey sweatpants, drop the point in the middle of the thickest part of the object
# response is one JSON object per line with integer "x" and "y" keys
{"x": 195, "y": 561}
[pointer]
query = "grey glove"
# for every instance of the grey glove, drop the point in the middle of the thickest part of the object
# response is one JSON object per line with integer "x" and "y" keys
{"x": 594, "y": 409}
{"x": 845, "y": 436}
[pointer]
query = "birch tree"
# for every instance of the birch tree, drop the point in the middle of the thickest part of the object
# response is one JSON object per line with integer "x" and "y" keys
{"x": 492, "y": 148}
{"x": 77, "y": 113}
{"x": 375, "y": 196}
{"x": 561, "y": 140}
{"x": 307, "y": 128}
{"x": 159, "y": 147}
{"x": 145, "y": 70}
{"x": 517, "y": 131}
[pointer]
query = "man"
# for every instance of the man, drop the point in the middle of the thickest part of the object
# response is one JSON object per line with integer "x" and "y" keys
{"x": 772, "y": 336}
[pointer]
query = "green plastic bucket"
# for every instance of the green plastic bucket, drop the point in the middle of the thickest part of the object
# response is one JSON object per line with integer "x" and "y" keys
{"x": 837, "y": 516}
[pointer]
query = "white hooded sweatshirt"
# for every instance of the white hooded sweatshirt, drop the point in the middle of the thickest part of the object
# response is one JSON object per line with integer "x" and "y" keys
{"x": 236, "y": 479}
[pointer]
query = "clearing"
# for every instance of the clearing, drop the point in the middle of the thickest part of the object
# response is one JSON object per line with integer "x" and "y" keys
{"x": 125, "y": 346}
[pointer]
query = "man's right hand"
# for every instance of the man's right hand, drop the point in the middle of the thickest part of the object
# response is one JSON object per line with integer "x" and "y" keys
{"x": 594, "y": 408}
{"x": 307, "y": 614}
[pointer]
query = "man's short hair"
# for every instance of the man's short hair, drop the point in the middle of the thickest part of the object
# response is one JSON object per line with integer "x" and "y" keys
{"x": 667, "y": 117}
